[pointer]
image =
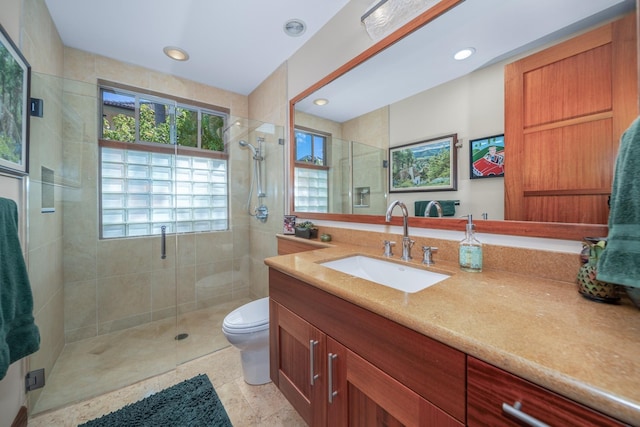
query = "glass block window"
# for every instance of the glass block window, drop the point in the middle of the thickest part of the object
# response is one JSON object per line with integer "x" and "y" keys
{"x": 311, "y": 190}
{"x": 144, "y": 190}
{"x": 162, "y": 163}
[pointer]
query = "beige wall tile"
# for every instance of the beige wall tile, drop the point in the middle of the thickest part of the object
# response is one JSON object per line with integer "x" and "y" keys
{"x": 123, "y": 296}
{"x": 163, "y": 289}
{"x": 124, "y": 256}
{"x": 80, "y": 299}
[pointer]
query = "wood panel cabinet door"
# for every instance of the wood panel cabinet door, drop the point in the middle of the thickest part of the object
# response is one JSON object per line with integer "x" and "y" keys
{"x": 566, "y": 108}
{"x": 297, "y": 363}
{"x": 361, "y": 395}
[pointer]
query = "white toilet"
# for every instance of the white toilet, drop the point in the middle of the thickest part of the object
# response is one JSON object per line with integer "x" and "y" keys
{"x": 247, "y": 328}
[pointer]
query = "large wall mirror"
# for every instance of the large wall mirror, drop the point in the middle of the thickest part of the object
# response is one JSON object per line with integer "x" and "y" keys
{"x": 408, "y": 89}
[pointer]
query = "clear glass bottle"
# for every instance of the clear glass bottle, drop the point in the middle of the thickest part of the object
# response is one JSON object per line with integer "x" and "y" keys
{"x": 470, "y": 250}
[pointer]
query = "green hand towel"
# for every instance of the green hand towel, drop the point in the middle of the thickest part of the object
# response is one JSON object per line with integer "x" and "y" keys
{"x": 448, "y": 208}
{"x": 19, "y": 335}
{"x": 619, "y": 263}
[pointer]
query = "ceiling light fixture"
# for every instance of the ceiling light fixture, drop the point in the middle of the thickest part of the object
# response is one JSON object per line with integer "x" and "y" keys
{"x": 321, "y": 101}
{"x": 386, "y": 16}
{"x": 176, "y": 53}
{"x": 294, "y": 27}
{"x": 464, "y": 53}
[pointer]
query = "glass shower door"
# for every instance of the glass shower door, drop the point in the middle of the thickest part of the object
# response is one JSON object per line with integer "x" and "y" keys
{"x": 114, "y": 322}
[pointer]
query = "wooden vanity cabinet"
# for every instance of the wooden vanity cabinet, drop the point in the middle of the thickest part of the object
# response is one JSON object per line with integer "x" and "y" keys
{"x": 382, "y": 373}
{"x": 489, "y": 387}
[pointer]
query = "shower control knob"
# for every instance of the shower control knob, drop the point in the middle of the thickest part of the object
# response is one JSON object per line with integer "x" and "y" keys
{"x": 262, "y": 213}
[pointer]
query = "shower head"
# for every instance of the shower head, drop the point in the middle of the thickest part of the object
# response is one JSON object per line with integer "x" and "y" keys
{"x": 244, "y": 143}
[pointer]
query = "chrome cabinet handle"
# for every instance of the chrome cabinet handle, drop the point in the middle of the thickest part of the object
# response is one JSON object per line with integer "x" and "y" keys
{"x": 515, "y": 412}
{"x": 312, "y": 369}
{"x": 330, "y": 360}
{"x": 163, "y": 242}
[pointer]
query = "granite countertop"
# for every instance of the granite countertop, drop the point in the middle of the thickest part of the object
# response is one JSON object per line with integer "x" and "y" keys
{"x": 539, "y": 329}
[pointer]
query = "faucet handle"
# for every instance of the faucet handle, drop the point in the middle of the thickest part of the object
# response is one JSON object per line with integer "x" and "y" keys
{"x": 427, "y": 255}
{"x": 388, "y": 251}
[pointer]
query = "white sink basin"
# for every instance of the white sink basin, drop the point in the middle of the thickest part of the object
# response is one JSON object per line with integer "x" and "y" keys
{"x": 391, "y": 274}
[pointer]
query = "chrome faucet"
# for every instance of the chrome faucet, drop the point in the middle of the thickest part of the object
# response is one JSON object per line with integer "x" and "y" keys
{"x": 407, "y": 243}
{"x": 430, "y": 205}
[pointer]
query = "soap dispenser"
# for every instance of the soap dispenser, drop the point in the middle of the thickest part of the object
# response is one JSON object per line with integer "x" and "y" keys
{"x": 470, "y": 250}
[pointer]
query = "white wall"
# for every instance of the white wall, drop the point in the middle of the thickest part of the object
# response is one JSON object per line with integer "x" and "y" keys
{"x": 471, "y": 107}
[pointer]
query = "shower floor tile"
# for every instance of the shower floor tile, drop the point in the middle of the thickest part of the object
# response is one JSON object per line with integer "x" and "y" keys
{"x": 110, "y": 362}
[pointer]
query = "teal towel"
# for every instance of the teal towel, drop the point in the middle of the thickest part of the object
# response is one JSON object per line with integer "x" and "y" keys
{"x": 19, "y": 335}
{"x": 448, "y": 208}
{"x": 619, "y": 263}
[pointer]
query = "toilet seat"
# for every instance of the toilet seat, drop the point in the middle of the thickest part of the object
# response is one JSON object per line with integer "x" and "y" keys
{"x": 251, "y": 317}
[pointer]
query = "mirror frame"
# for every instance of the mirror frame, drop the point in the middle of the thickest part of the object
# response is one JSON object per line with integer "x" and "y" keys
{"x": 556, "y": 230}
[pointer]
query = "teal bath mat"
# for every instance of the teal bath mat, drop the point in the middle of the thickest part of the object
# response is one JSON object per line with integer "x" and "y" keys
{"x": 191, "y": 403}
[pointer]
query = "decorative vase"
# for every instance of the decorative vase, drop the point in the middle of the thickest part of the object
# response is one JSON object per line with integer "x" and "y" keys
{"x": 588, "y": 286}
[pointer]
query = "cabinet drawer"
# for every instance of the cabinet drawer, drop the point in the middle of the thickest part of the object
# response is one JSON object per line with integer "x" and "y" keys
{"x": 489, "y": 387}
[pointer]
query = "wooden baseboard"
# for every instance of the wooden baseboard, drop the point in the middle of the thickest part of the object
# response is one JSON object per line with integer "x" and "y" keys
{"x": 21, "y": 418}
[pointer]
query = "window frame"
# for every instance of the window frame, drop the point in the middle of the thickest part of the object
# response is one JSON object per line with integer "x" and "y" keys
{"x": 327, "y": 140}
{"x": 306, "y": 165}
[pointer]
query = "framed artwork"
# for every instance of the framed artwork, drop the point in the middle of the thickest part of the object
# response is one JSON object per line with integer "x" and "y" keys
{"x": 15, "y": 82}
{"x": 487, "y": 157}
{"x": 289, "y": 224}
{"x": 429, "y": 165}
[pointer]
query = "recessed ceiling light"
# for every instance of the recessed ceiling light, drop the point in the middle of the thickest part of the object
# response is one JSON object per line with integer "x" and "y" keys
{"x": 464, "y": 53}
{"x": 176, "y": 53}
{"x": 321, "y": 101}
{"x": 294, "y": 27}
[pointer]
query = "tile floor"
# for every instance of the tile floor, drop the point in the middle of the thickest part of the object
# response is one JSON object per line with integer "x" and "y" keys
{"x": 246, "y": 405}
{"x": 93, "y": 377}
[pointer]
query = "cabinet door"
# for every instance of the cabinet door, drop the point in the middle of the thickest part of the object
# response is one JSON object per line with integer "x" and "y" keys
{"x": 562, "y": 131}
{"x": 488, "y": 388}
{"x": 297, "y": 351}
{"x": 363, "y": 395}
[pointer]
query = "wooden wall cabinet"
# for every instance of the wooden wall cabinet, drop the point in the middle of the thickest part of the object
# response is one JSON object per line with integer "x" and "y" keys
{"x": 341, "y": 365}
{"x": 566, "y": 108}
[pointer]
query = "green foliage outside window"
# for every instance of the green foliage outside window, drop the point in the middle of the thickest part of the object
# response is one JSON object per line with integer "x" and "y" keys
{"x": 7, "y": 149}
{"x": 122, "y": 128}
{"x": 11, "y": 108}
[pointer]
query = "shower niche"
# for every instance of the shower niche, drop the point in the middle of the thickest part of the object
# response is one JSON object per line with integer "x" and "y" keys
{"x": 362, "y": 197}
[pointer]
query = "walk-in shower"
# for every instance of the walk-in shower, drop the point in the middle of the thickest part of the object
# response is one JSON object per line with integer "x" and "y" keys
{"x": 110, "y": 309}
{"x": 261, "y": 212}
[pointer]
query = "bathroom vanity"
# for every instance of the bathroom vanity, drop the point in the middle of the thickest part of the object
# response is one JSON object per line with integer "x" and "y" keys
{"x": 474, "y": 349}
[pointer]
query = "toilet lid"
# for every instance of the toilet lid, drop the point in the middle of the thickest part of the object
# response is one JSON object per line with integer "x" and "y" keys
{"x": 249, "y": 317}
